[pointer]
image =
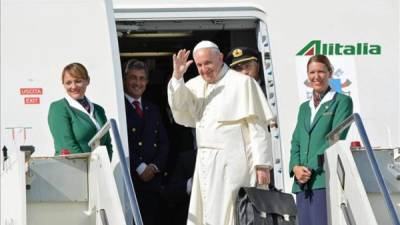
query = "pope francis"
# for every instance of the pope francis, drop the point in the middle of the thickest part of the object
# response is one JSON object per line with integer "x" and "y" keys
{"x": 230, "y": 114}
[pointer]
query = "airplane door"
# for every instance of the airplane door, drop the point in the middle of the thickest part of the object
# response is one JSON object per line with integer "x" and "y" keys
{"x": 39, "y": 38}
{"x": 264, "y": 48}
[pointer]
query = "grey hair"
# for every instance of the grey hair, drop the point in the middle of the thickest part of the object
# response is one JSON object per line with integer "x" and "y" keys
{"x": 134, "y": 64}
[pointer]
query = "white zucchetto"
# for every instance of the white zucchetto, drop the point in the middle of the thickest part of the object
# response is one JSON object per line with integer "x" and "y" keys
{"x": 205, "y": 44}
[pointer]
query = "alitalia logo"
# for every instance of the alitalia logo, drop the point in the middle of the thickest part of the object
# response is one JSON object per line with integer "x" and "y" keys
{"x": 317, "y": 47}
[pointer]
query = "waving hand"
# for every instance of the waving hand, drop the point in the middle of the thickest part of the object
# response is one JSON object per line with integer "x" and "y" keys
{"x": 181, "y": 63}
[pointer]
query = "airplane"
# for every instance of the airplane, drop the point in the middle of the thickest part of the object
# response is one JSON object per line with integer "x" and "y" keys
{"x": 38, "y": 38}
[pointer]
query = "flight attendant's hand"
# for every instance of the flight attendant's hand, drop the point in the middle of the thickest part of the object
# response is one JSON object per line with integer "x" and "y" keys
{"x": 302, "y": 174}
{"x": 181, "y": 63}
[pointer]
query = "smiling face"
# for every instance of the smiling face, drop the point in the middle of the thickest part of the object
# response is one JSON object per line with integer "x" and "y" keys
{"x": 318, "y": 75}
{"x": 135, "y": 82}
{"x": 74, "y": 86}
{"x": 75, "y": 80}
{"x": 209, "y": 63}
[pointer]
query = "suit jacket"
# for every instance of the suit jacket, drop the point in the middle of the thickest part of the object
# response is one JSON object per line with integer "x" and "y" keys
{"x": 308, "y": 140}
{"x": 72, "y": 129}
{"x": 181, "y": 139}
{"x": 148, "y": 142}
{"x": 174, "y": 191}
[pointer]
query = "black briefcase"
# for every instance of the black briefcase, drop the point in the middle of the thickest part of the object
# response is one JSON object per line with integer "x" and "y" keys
{"x": 256, "y": 206}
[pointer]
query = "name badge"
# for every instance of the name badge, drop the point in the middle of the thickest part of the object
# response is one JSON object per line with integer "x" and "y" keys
{"x": 327, "y": 113}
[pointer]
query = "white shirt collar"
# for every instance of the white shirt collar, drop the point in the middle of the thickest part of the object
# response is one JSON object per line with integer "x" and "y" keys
{"x": 223, "y": 71}
{"x": 131, "y": 99}
{"x": 328, "y": 96}
{"x": 74, "y": 103}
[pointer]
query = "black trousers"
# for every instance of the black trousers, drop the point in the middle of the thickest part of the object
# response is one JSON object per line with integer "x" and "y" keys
{"x": 149, "y": 205}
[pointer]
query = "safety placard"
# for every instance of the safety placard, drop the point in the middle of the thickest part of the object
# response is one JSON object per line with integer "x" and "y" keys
{"x": 31, "y": 91}
{"x": 32, "y": 100}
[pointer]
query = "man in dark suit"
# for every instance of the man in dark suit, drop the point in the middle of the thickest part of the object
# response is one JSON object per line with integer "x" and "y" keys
{"x": 148, "y": 142}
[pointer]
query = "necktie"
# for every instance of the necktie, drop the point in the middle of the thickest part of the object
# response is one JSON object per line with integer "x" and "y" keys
{"x": 85, "y": 103}
{"x": 317, "y": 99}
{"x": 138, "y": 109}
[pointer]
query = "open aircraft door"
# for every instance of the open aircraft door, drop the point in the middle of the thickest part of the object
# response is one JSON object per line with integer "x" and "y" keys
{"x": 264, "y": 48}
{"x": 39, "y": 38}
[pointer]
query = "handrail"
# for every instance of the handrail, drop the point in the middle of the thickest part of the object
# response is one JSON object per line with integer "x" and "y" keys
{"x": 95, "y": 141}
{"x": 333, "y": 137}
{"x": 103, "y": 217}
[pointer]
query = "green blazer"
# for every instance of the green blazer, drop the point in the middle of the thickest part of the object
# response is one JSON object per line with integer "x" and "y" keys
{"x": 308, "y": 140}
{"x": 72, "y": 129}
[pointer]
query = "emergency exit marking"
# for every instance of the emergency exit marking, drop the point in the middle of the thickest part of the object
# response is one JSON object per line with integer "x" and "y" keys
{"x": 32, "y": 100}
{"x": 31, "y": 91}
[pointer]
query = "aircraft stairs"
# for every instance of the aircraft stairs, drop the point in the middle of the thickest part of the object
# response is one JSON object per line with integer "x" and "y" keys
{"x": 76, "y": 189}
{"x": 363, "y": 183}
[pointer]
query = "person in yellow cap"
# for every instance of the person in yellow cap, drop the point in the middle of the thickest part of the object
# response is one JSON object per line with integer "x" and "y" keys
{"x": 247, "y": 61}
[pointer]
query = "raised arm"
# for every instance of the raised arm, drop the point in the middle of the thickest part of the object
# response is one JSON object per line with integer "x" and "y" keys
{"x": 184, "y": 103}
{"x": 181, "y": 63}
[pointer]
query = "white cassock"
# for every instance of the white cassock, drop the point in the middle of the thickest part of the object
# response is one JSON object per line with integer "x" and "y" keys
{"x": 230, "y": 117}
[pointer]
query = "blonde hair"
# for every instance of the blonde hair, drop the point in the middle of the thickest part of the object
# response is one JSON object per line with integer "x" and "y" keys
{"x": 321, "y": 59}
{"x": 76, "y": 70}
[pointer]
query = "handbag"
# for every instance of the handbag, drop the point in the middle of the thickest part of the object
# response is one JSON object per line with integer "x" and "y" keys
{"x": 256, "y": 206}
